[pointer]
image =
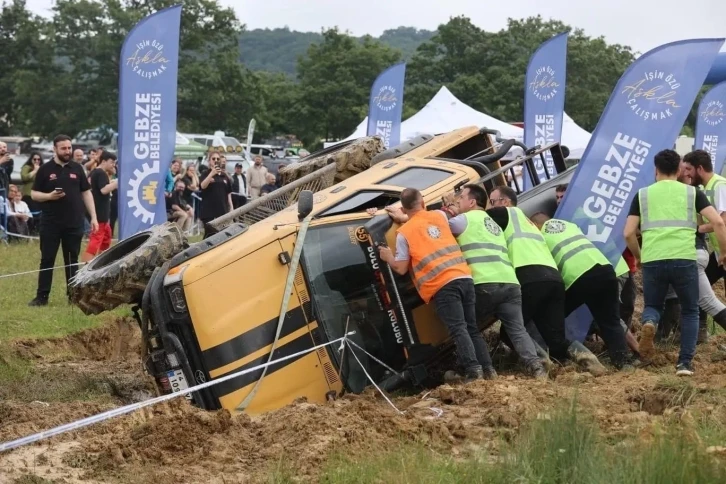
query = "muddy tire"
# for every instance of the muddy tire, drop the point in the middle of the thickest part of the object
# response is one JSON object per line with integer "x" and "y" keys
{"x": 350, "y": 159}
{"x": 119, "y": 275}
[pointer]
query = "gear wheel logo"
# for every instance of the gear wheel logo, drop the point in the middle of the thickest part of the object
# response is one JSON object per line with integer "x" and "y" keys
{"x": 554, "y": 227}
{"x": 142, "y": 192}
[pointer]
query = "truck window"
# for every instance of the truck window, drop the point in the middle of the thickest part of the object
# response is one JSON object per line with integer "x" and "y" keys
{"x": 343, "y": 292}
{"x": 362, "y": 201}
{"x": 418, "y": 178}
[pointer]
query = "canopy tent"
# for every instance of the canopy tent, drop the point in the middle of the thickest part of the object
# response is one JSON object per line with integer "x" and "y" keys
{"x": 574, "y": 137}
{"x": 444, "y": 113}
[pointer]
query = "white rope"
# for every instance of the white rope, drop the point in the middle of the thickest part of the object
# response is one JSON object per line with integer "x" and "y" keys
{"x": 117, "y": 412}
{"x": 373, "y": 357}
{"x": 3, "y": 276}
{"x": 369, "y": 379}
{"x": 21, "y": 236}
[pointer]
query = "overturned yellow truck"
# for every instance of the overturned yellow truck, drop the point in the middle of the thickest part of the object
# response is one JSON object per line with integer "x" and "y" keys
{"x": 296, "y": 269}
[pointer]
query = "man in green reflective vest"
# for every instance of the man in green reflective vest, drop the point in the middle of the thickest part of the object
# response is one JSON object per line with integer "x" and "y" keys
{"x": 624, "y": 271}
{"x": 666, "y": 212}
{"x": 485, "y": 251}
{"x": 698, "y": 170}
{"x": 589, "y": 279}
{"x": 497, "y": 289}
{"x": 543, "y": 291}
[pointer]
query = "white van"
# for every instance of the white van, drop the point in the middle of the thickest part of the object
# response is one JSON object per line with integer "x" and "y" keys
{"x": 218, "y": 141}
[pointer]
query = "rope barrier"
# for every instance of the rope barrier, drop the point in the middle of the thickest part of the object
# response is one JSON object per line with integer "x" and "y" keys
{"x": 3, "y": 276}
{"x": 117, "y": 412}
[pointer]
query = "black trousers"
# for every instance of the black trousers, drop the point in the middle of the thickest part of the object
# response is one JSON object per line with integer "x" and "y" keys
{"x": 113, "y": 216}
{"x": 455, "y": 305}
{"x": 51, "y": 237}
{"x": 713, "y": 271}
{"x": 238, "y": 201}
{"x": 598, "y": 290}
{"x": 627, "y": 301}
{"x": 544, "y": 303}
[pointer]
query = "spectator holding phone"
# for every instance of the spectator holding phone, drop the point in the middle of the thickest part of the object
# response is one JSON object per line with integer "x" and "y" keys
{"x": 64, "y": 194}
{"x": 216, "y": 193}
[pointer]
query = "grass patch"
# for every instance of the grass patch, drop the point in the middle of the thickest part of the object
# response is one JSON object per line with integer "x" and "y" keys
{"x": 59, "y": 318}
{"x": 568, "y": 447}
{"x": 21, "y": 380}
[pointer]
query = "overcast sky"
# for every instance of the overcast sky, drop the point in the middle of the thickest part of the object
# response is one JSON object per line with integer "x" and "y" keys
{"x": 642, "y": 24}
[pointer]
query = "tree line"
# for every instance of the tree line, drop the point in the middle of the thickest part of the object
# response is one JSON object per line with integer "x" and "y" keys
{"x": 60, "y": 74}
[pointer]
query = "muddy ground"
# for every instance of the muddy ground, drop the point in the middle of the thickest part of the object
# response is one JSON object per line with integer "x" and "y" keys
{"x": 175, "y": 442}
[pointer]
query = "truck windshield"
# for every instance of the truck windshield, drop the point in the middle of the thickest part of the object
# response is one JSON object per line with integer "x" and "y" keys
{"x": 343, "y": 293}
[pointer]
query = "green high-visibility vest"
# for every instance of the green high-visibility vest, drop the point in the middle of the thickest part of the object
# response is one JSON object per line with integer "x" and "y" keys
{"x": 525, "y": 243}
{"x": 485, "y": 249}
{"x": 572, "y": 251}
{"x": 668, "y": 221}
{"x": 622, "y": 267}
{"x": 712, "y": 194}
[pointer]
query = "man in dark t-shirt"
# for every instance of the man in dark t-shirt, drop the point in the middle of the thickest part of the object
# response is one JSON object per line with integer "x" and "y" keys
{"x": 101, "y": 188}
{"x": 216, "y": 194}
{"x": 63, "y": 192}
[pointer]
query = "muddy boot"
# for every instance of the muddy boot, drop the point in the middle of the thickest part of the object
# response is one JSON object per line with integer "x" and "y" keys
{"x": 489, "y": 373}
{"x": 452, "y": 377}
{"x": 544, "y": 356}
{"x": 585, "y": 359}
{"x": 703, "y": 327}
{"x": 538, "y": 372}
{"x": 720, "y": 319}
{"x": 670, "y": 321}
{"x": 647, "y": 338}
{"x": 472, "y": 375}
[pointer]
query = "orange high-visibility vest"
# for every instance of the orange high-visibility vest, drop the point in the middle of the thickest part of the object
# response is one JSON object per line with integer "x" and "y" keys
{"x": 436, "y": 258}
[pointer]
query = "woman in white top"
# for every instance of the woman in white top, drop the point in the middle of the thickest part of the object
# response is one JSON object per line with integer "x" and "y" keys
{"x": 18, "y": 212}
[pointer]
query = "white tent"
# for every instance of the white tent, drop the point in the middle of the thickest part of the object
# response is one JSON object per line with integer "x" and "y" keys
{"x": 574, "y": 137}
{"x": 444, "y": 113}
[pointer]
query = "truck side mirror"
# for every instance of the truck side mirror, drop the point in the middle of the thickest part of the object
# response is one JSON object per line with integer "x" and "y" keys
{"x": 304, "y": 204}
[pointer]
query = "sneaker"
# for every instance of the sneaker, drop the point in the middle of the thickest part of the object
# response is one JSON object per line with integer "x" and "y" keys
{"x": 39, "y": 301}
{"x": 702, "y": 335}
{"x": 472, "y": 375}
{"x": 586, "y": 360}
{"x": 489, "y": 373}
{"x": 684, "y": 369}
{"x": 647, "y": 337}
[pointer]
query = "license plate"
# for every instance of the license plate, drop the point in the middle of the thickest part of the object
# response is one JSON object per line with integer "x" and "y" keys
{"x": 178, "y": 382}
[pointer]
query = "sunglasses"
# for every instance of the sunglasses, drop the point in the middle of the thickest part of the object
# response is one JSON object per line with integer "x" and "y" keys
{"x": 36, "y": 159}
{"x": 215, "y": 159}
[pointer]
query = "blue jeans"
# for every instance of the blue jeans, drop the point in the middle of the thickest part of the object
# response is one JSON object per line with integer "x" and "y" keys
{"x": 455, "y": 305}
{"x": 682, "y": 275}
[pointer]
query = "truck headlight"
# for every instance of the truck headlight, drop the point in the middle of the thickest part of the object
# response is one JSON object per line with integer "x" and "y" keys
{"x": 176, "y": 296}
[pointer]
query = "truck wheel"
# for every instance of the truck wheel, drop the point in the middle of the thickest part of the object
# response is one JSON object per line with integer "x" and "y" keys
{"x": 119, "y": 275}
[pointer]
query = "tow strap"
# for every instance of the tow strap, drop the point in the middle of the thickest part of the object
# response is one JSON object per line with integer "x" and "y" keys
{"x": 283, "y": 308}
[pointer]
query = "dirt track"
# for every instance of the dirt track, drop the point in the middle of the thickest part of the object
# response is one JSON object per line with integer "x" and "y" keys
{"x": 176, "y": 442}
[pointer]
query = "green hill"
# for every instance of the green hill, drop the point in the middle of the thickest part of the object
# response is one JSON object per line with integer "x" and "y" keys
{"x": 277, "y": 50}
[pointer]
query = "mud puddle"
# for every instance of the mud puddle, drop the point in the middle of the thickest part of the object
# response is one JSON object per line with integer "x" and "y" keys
{"x": 178, "y": 443}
